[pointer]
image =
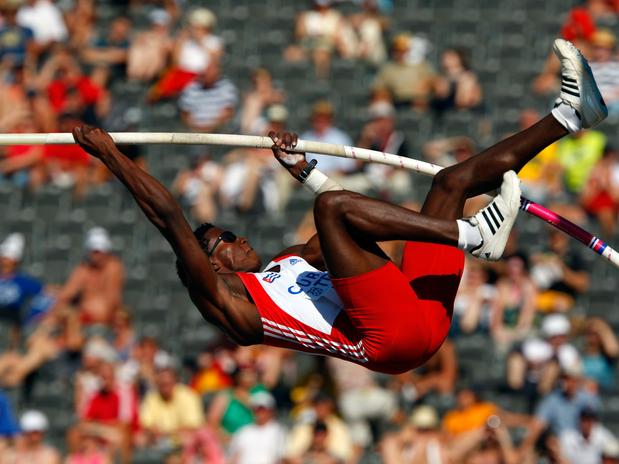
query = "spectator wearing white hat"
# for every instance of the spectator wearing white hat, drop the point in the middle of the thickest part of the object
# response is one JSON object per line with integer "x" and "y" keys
{"x": 97, "y": 282}
{"x": 532, "y": 369}
{"x": 195, "y": 49}
{"x": 262, "y": 442}
{"x": 419, "y": 441}
{"x": 17, "y": 290}
{"x": 30, "y": 447}
{"x": 556, "y": 329}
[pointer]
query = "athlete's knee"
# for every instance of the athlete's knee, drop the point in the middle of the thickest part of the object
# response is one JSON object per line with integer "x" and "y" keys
{"x": 451, "y": 181}
{"x": 332, "y": 203}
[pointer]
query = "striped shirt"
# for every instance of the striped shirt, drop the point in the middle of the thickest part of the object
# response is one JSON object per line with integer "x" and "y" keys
{"x": 204, "y": 105}
{"x": 607, "y": 77}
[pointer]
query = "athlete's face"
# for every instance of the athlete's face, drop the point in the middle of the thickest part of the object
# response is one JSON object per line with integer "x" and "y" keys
{"x": 231, "y": 253}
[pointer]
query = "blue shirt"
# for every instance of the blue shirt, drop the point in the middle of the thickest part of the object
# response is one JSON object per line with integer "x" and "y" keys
{"x": 8, "y": 425}
{"x": 330, "y": 164}
{"x": 13, "y": 42}
{"x": 561, "y": 413}
{"x": 16, "y": 291}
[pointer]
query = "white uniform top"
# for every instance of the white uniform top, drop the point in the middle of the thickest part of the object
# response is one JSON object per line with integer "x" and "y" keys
{"x": 301, "y": 291}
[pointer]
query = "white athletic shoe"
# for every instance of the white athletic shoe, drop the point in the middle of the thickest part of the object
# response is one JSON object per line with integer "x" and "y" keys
{"x": 578, "y": 87}
{"x": 496, "y": 220}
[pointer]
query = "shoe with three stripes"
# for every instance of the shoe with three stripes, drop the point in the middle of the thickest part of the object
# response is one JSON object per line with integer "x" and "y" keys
{"x": 578, "y": 87}
{"x": 496, "y": 220}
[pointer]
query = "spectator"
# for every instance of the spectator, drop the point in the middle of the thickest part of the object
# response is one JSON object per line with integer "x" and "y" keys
{"x": 408, "y": 83}
{"x": 87, "y": 381}
{"x": 488, "y": 445}
{"x": 30, "y": 447}
{"x": 230, "y": 410}
{"x": 370, "y": 26}
{"x": 211, "y": 375}
{"x": 262, "y": 97}
{"x": 204, "y": 445}
{"x": 70, "y": 91}
{"x": 361, "y": 400}
{"x": 458, "y": 87}
{"x": 198, "y": 187}
{"x": 556, "y": 330}
{"x": 380, "y": 134}
{"x": 448, "y": 151}
{"x": 45, "y": 20}
{"x": 472, "y": 413}
{"x": 560, "y": 274}
{"x": 17, "y": 290}
{"x": 473, "y": 300}
{"x": 319, "y": 33}
{"x": 418, "y": 441}
{"x": 16, "y": 41}
{"x": 323, "y": 131}
{"x": 170, "y": 413}
{"x": 85, "y": 449}
{"x": 252, "y": 174}
{"x": 150, "y": 50}
{"x": 577, "y": 154}
{"x": 98, "y": 281}
{"x": 318, "y": 452}
{"x": 110, "y": 51}
{"x": 338, "y": 440}
{"x": 208, "y": 103}
{"x": 8, "y": 425}
{"x": 605, "y": 67}
{"x": 140, "y": 369}
{"x": 532, "y": 369}
{"x": 559, "y": 410}
{"x": 438, "y": 375}
{"x": 600, "y": 195}
{"x": 262, "y": 442}
{"x": 111, "y": 414}
{"x": 541, "y": 177}
{"x": 586, "y": 444}
{"x": 580, "y": 27}
{"x": 582, "y": 21}
{"x": 513, "y": 309}
{"x": 196, "y": 50}
{"x": 600, "y": 353}
{"x": 68, "y": 166}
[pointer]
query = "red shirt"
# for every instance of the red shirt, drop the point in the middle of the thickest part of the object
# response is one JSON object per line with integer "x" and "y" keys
{"x": 67, "y": 155}
{"x": 57, "y": 92}
{"x": 103, "y": 407}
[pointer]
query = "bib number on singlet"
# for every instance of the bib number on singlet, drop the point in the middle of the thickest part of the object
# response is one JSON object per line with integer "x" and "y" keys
{"x": 313, "y": 284}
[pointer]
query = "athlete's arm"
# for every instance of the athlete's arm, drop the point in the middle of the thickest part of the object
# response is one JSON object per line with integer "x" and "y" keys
{"x": 161, "y": 209}
{"x": 295, "y": 163}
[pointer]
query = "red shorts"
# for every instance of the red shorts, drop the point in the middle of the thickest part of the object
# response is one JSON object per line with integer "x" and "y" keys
{"x": 403, "y": 315}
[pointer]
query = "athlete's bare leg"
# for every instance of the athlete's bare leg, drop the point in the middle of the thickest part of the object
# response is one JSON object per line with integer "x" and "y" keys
{"x": 483, "y": 172}
{"x": 348, "y": 224}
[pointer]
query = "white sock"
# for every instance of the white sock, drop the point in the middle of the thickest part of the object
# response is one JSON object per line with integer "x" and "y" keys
{"x": 566, "y": 115}
{"x": 469, "y": 236}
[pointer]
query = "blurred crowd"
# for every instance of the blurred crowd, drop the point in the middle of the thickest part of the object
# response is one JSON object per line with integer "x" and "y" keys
{"x": 133, "y": 393}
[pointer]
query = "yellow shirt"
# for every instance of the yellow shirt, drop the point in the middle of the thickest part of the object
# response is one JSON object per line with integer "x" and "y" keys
{"x": 534, "y": 169}
{"x": 468, "y": 419}
{"x": 184, "y": 410}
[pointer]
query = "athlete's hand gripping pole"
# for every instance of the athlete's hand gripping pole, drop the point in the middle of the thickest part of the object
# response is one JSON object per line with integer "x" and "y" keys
{"x": 317, "y": 182}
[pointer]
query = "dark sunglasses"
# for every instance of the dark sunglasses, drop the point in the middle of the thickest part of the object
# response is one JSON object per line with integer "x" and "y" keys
{"x": 226, "y": 236}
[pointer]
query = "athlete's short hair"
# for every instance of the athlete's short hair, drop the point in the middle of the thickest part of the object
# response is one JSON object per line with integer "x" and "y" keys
{"x": 200, "y": 235}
